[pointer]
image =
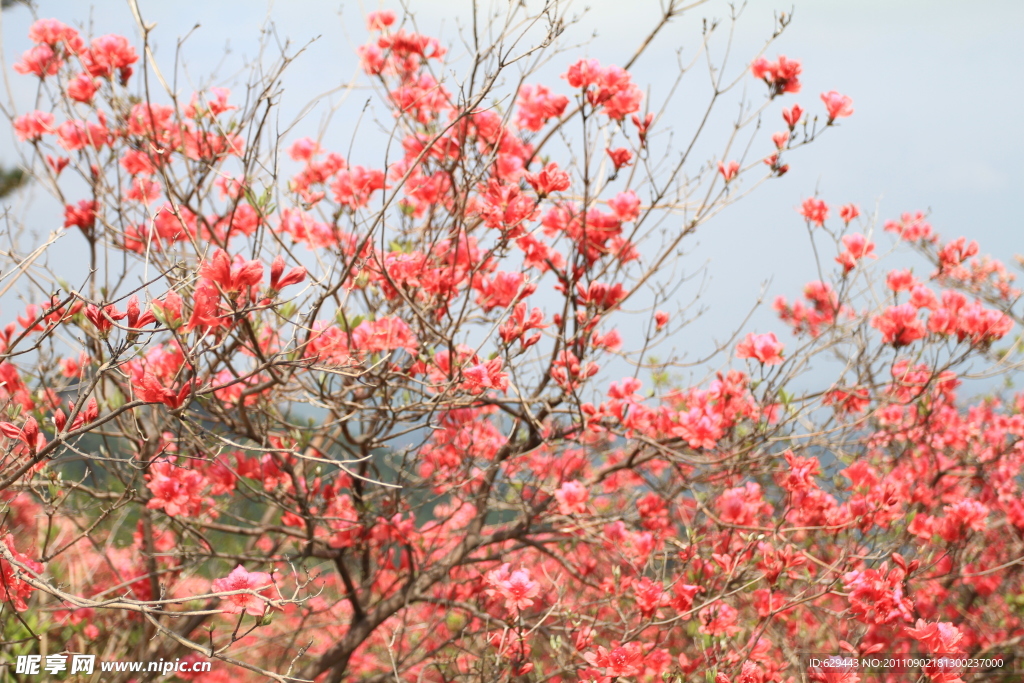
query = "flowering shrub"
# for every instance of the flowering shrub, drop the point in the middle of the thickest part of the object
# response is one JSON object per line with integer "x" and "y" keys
{"x": 373, "y": 423}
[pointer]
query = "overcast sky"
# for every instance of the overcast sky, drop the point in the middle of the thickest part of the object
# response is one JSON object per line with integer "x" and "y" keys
{"x": 936, "y": 87}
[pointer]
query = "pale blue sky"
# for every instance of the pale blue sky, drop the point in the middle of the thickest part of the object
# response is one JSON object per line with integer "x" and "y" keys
{"x": 936, "y": 87}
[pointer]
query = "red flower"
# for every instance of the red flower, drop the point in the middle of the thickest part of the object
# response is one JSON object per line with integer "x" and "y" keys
{"x": 620, "y": 157}
{"x": 107, "y": 54}
{"x": 82, "y": 88}
{"x": 137, "y": 319}
{"x": 380, "y": 20}
{"x": 33, "y": 125}
{"x": 549, "y": 180}
{"x": 536, "y": 105}
{"x": 661, "y": 319}
{"x": 56, "y": 34}
{"x": 572, "y": 498}
{"x": 28, "y": 434}
{"x": 792, "y": 115}
{"x": 857, "y": 247}
{"x": 642, "y": 126}
{"x": 900, "y": 325}
{"x": 13, "y": 588}
{"x": 232, "y": 279}
{"x": 241, "y": 580}
{"x": 719, "y": 619}
{"x": 838, "y": 105}
{"x": 626, "y": 206}
{"x": 766, "y": 348}
{"x": 102, "y": 318}
{"x": 277, "y": 282}
{"x": 729, "y": 170}
{"x": 149, "y": 389}
{"x": 515, "y": 587}
{"x": 815, "y": 210}
{"x": 939, "y": 637}
{"x": 41, "y": 60}
{"x": 175, "y": 490}
{"x": 848, "y": 212}
{"x": 82, "y": 215}
{"x": 781, "y": 75}
{"x": 623, "y": 660}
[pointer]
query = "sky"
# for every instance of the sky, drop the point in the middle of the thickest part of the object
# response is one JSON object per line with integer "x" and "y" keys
{"x": 935, "y": 85}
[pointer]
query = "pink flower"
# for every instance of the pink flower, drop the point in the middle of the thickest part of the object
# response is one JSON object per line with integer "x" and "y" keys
{"x": 170, "y": 308}
{"x": 536, "y": 105}
{"x": 848, "y": 212}
{"x": 764, "y": 347}
{"x": 719, "y": 619}
{"x": 487, "y": 375}
{"x": 857, "y": 247}
{"x": 649, "y": 596}
{"x": 642, "y": 126}
{"x": 792, "y": 115}
{"x": 740, "y": 505}
{"x": 900, "y": 280}
{"x": 761, "y": 67}
{"x": 352, "y": 187}
{"x": 12, "y": 588}
{"x": 231, "y": 277}
{"x": 729, "y": 170}
{"x": 911, "y": 227}
{"x": 176, "y": 490}
{"x": 239, "y": 579}
{"x": 838, "y": 105}
{"x": 33, "y": 125}
{"x": 380, "y": 20}
{"x": 504, "y": 289}
{"x": 815, "y": 210}
{"x": 683, "y": 595}
{"x": 615, "y": 94}
{"x": 74, "y": 135}
{"x": 572, "y": 498}
{"x": 214, "y": 103}
{"x": 626, "y": 206}
{"x": 802, "y": 471}
{"x": 57, "y": 164}
{"x": 55, "y": 34}
{"x": 515, "y": 587}
{"x": 304, "y": 149}
{"x": 661, "y": 319}
{"x": 82, "y": 88}
{"x": 108, "y": 54}
{"x": 939, "y": 637}
{"x": 961, "y": 516}
{"x": 922, "y": 297}
{"x": 40, "y": 60}
{"x": 385, "y": 334}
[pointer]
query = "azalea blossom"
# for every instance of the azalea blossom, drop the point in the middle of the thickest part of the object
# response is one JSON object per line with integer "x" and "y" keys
{"x": 514, "y": 586}
{"x": 838, "y": 106}
{"x": 242, "y": 580}
{"x": 814, "y": 210}
{"x": 765, "y": 348}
